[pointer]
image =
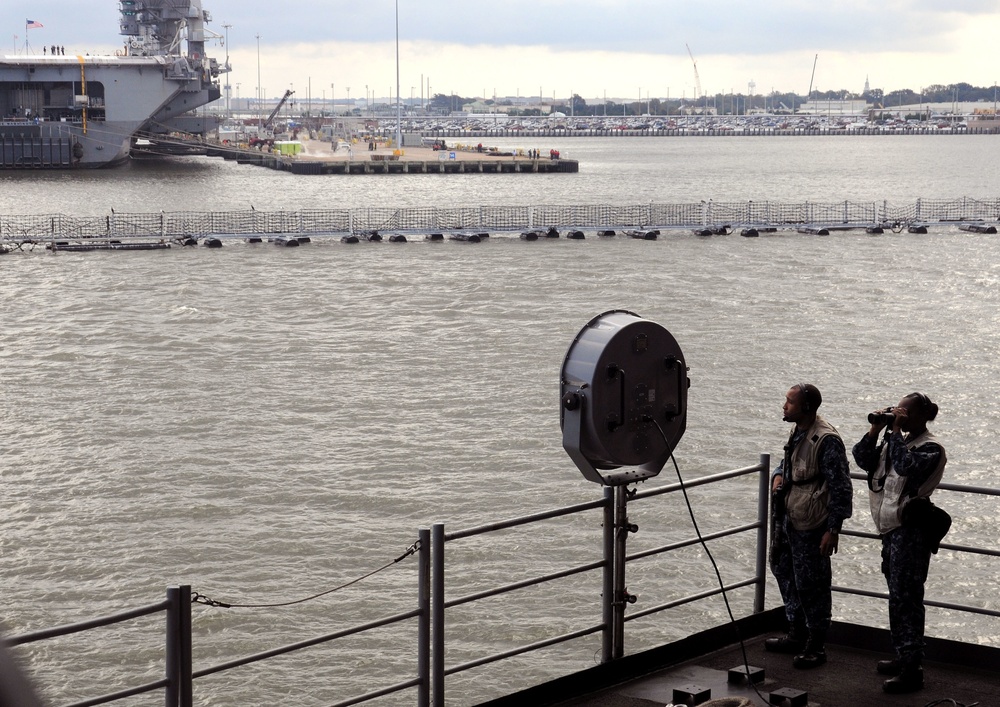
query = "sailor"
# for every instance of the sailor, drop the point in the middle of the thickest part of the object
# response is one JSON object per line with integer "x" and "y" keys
{"x": 900, "y": 471}
{"x": 811, "y": 491}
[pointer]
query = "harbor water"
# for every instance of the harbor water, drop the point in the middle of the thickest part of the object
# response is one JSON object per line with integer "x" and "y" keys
{"x": 265, "y": 424}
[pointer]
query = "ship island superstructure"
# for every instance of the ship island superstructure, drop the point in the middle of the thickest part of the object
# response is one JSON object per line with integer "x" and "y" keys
{"x": 61, "y": 111}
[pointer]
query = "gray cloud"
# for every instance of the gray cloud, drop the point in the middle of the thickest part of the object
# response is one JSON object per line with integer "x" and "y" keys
{"x": 662, "y": 27}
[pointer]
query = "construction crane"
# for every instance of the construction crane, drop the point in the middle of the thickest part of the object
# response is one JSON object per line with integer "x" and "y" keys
{"x": 811, "y": 79}
{"x": 284, "y": 99}
{"x": 264, "y": 135}
{"x": 697, "y": 79}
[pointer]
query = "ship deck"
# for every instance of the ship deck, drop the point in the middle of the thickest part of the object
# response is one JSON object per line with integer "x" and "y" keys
{"x": 958, "y": 671}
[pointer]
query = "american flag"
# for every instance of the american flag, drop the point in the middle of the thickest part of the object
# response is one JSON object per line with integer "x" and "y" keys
{"x": 32, "y": 24}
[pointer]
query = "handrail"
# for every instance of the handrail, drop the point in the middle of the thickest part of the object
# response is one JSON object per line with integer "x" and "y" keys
{"x": 690, "y": 598}
{"x": 614, "y": 527}
{"x": 523, "y": 584}
{"x": 524, "y": 649}
{"x": 69, "y": 629}
{"x": 122, "y": 694}
{"x": 432, "y": 603}
{"x": 693, "y": 541}
{"x": 308, "y": 643}
{"x": 524, "y": 520}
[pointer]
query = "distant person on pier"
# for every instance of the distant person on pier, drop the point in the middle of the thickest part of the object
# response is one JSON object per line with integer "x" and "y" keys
{"x": 903, "y": 472}
{"x": 811, "y": 498}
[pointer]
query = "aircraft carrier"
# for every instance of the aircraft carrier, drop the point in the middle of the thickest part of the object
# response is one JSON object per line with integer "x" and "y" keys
{"x": 65, "y": 112}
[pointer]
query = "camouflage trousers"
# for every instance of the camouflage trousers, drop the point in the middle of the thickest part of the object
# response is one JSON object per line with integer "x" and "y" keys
{"x": 905, "y": 560}
{"x": 804, "y": 578}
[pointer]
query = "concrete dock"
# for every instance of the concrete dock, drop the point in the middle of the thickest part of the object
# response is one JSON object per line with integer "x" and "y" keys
{"x": 320, "y": 158}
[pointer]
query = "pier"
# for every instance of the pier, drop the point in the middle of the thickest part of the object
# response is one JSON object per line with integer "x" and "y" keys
{"x": 486, "y": 165}
{"x": 320, "y": 158}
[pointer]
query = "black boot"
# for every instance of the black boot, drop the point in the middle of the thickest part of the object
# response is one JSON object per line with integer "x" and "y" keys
{"x": 791, "y": 643}
{"x": 910, "y": 679}
{"x": 788, "y": 644}
{"x": 888, "y": 667}
{"x": 814, "y": 654}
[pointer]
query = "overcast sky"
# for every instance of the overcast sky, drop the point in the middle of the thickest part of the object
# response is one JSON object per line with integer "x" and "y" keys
{"x": 624, "y": 48}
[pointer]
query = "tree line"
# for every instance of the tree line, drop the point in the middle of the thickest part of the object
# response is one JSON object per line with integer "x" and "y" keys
{"x": 723, "y": 103}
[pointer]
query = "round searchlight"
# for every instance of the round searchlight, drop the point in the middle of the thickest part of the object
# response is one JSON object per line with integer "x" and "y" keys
{"x": 623, "y": 392}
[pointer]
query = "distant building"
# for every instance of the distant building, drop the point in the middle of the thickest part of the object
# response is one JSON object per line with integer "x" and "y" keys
{"x": 835, "y": 106}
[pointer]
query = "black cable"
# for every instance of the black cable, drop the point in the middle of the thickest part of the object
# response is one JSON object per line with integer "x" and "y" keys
{"x": 718, "y": 575}
{"x": 197, "y": 598}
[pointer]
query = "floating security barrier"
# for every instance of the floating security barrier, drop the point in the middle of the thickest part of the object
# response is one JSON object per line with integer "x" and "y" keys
{"x": 978, "y": 228}
{"x": 110, "y": 245}
{"x": 284, "y": 241}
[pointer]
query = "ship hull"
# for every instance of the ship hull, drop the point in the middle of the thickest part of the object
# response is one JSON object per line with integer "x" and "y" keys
{"x": 84, "y": 112}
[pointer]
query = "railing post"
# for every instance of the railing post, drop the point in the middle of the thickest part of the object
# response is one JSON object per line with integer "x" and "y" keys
{"x": 763, "y": 518}
{"x": 424, "y": 621}
{"x": 179, "y": 691}
{"x": 437, "y": 614}
{"x": 619, "y": 601}
{"x": 608, "y": 577}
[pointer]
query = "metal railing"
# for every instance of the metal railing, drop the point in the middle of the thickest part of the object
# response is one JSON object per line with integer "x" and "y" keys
{"x": 338, "y": 222}
{"x": 970, "y": 549}
{"x": 433, "y": 604}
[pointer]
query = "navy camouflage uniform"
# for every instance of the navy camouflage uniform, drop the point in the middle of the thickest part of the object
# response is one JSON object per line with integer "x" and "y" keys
{"x": 803, "y": 573}
{"x": 906, "y": 555}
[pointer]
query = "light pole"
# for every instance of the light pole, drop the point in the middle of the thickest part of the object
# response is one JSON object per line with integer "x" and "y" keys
{"x": 399, "y": 116}
{"x": 349, "y": 99}
{"x": 260, "y": 115}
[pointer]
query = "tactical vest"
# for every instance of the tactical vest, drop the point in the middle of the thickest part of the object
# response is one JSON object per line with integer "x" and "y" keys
{"x": 892, "y": 495}
{"x": 808, "y": 495}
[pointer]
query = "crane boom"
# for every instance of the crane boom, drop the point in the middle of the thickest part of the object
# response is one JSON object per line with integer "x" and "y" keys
{"x": 697, "y": 79}
{"x": 284, "y": 99}
{"x": 809, "y": 95}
